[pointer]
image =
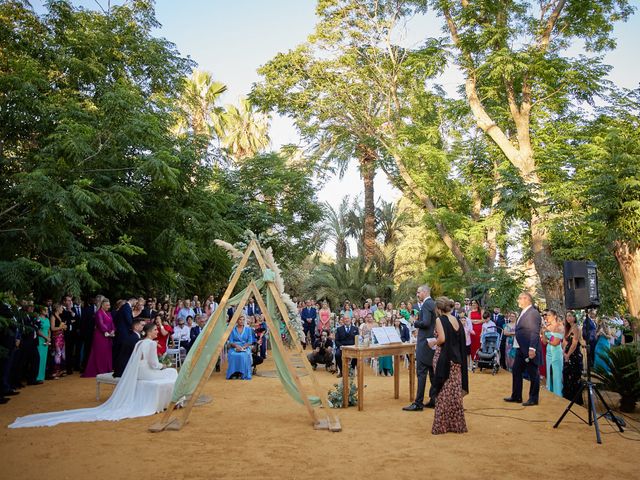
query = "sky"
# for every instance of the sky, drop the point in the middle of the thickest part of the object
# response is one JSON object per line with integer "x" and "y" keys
{"x": 233, "y": 38}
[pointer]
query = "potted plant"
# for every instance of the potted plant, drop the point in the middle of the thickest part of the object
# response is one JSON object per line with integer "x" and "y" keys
{"x": 621, "y": 375}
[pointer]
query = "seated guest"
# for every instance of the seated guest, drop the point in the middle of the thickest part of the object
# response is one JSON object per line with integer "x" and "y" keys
{"x": 164, "y": 331}
{"x": 182, "y": 335}
{"x": 322, "y": 351}
{"x": 196, "y": 329}
{"x": 488, "y": 326}
{"x": 230, "y": 311}
{"x": 261, "y": 331}
{"x": 100, "y": 358}
{"x": 401, "y": 328}
{"x": 127, "y": 344}
{"x": 345, "y": 335}
{"x": 239, "y": 354}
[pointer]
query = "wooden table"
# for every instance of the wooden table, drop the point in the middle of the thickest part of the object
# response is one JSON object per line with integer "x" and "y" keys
{"x": 360, "y": 353}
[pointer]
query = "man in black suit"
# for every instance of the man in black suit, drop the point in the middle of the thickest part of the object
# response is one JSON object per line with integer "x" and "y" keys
{"x": 425, "y": 323}
{"x": 500, "y": 321}
{"x": 71, "y": 317}
{"x": 123, "y": 320}
{"x": 87, "y": 326}
{"x": 127, "y": 344}
{"x": 528, "y": 357}
{"x": 345, "y": 335}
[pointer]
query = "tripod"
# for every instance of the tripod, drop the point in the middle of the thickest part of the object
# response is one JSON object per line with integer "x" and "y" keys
{"x": 591, "y": 388}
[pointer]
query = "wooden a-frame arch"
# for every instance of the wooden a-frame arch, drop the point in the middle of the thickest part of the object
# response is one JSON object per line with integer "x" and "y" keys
{"x": 175, "y": 419}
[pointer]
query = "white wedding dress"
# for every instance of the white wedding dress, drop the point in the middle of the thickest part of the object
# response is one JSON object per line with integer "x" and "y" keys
{"x": 144, "y": 389}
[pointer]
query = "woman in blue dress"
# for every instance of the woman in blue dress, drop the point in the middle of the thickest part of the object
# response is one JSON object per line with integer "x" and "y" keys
{"x": 552, "y": 338}
{"x": 603, "y": 345}
{"x": 239, "y": 354}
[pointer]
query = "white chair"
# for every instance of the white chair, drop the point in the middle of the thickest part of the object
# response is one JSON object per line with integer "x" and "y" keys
{"x": 175, "y": 352}
{"x": 107, "y": 378}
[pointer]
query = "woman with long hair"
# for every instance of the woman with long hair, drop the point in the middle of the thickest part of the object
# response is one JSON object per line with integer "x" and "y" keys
{"x": 58, "y": 327}
{"x": 572, "y": 368}
{"x": 552, "y": 338}
{"x": 475, "y": 315}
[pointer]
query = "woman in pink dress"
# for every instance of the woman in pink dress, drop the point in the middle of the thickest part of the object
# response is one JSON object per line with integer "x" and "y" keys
{"x": 100, "y": 356}
{"x": 475, "y": 315}
{"x": 324, "y": 318}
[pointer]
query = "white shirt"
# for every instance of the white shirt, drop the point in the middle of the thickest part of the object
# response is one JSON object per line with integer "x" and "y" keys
{"x": 515, "y": 340}
{"x": 181, "y": 333}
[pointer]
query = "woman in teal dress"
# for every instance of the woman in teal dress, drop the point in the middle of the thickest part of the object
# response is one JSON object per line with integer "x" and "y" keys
{"x": 603, "y": 346}
{"x": 44, "y": 340}
{"x": 239, "y": 354}
{"x": 385, "y": 364}
{"x": 552, "y": 338}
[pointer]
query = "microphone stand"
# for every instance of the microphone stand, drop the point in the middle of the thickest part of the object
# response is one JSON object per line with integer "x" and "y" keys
{"x": 592, "y": 391}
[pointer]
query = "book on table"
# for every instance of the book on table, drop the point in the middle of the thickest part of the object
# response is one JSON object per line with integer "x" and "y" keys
{"x": 386, "y": 335}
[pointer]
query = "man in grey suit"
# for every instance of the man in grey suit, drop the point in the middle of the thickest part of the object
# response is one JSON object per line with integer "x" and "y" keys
{"x": 425, "y": 323}
{"x": 528, "y": 351}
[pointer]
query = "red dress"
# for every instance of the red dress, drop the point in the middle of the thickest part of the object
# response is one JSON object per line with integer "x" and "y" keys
{"x": 477, "y": 328}
{"x": 162, "y": 339}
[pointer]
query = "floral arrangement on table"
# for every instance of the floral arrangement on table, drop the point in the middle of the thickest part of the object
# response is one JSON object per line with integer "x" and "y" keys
{"x": 335, "y": 396}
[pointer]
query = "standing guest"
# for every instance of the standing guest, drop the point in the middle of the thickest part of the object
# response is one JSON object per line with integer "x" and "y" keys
{"x": 457, "y": 308}
{"x": 197, "y": 309}
{"x": 509, "y": 332}
{"x": 252, "y": 309}
{"x": 101, "y": 357}
{"x": 468, "y": 332}
{"x": 123, "y": 323}
{"x": 182, "y": 335}
{"x": 239, "y": 354}
{"x": 451, "y": 381}
{"x": 365, "y": 329}
{"x": 345, "y": 335}
{"x": 475, "y": 315}
{"x": 9, "y": 341}
{"x": 552, "y": 338}
{"x": 322, "y": 351}
{"x": 138, "y": 307}
{"x": 365, "y": 310}
{"x": 426, "y": 324}
{"x": 308, "y": 316}
{"x": 44, "y": 337}
{"x": 603, "y": 345}
{"x": 87, "y": 326}
{"x": 589, "y": 334}
{"x": 324, "y": 317}
{"x": 230, "y": 311}
{"x": 375, "y": 305}
{"x": 379, "y": 313}
{"x": 186, "y": 311}
{"x": 385, "y": 363}
{"x": 71, "y": 341}
{"x": 127, "y": 344}
{"x": 404, "y": 312}
{"x": 29, "y": 358}
{"x": 572, "y": 368}
{"x": 58, "y": 328}
{"x": 164, "y": 331}
{"x": 389, "y": 312}
{"x": 500, "y": 322}
{"x": 527, "y": 345}
{"x": 179, "y": 306}
{"x": 467, "y": 306}
{"x": 347, "y": 310}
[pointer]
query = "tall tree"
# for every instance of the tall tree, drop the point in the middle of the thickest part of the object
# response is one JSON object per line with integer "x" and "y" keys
{"x": 518, "y": 76}
{"x": 244, "y": 131}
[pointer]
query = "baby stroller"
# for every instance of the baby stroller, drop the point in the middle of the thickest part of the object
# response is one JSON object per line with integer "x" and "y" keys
{"x": 488, "y": 355}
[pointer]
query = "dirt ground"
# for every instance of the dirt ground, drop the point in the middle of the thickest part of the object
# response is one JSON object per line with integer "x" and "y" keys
{"x": 252, "y": 429}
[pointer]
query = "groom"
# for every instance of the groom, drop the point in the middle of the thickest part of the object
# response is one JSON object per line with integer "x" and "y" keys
{"x": 528, "y": 357}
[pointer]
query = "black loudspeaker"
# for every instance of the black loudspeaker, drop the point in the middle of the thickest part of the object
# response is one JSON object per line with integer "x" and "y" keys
{"x": 580, "y": 285}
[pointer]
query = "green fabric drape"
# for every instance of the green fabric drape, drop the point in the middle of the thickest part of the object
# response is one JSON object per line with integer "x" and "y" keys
{"x": 191, "y": 372}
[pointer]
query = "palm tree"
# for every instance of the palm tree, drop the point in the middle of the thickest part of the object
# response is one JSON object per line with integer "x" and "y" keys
{"x": 244, "y": 131}
{"x": 198, "y": 103}
{"x": 336, "y": 228}
{"x": 390, "y": 222}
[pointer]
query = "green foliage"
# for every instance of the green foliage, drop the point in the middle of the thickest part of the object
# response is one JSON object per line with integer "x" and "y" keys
{"x": 622, "y": 375}
{"x": 335, "y": 396}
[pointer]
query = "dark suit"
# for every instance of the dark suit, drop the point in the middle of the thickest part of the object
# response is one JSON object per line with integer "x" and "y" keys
{"x": 87, "y": 326}
{"x": 193, "y": 334}
{"x": 127, "y": 344}
{"x": 528, "y": 336}
{"x": 426, "y": 324}
{"x": 345, "y": 336}
{"x": 500, "y": 322}
{"x": 71, "y": 339}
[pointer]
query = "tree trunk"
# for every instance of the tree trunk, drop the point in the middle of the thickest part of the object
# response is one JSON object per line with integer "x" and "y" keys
{"x": 629, "y": 261}
{"x": 548, "y": 271}
{"x": 368, "y": 173}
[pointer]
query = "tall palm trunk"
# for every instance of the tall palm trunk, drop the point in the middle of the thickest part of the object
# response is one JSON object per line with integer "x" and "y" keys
{"x": 629, "y": 261}
{"x": 368, "y": 173}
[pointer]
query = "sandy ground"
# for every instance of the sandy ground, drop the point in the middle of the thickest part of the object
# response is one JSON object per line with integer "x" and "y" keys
{"x": 254, "y": 430}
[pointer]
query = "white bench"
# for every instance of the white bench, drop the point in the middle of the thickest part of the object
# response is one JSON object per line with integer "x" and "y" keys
{"x": 105, "y": 378}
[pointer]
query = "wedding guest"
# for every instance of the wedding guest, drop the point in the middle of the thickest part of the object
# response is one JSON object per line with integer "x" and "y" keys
{"x": 324, "y": 317}
{"x": 345, "y": 335}
{"x": 164, "y": 331}
{"x": 401, "y": 329}
{"x": 196, "y": 329}
{"x": 44, "y": 340}
{"x": 468, "y": 332}
{"x": 404, "y": 312}
{"x": 308, "y": 315}
{"x": 58, "y": 328}
{"x": 322, "y": 351}
{"x": 509, "y": 332}
{"x": 239, "y": 354}
{"x": 127, "y": 344}
{"x": 475, "y": 315}
{"x": 71, "y": 340}
{"x": 87, "y": 326}
{"x": 589, "y": 334}
{"x": 603, "y": 345}
{"x": 451, "y": 374}
{"x": 385, "y": 363}
{"x": 379, "y": 313}
{"x": 365, "y": 310}
{"x": 252, "y": 308}
{"x": 186, "y": 311}
{"x": 552, "y": 337}
{"x": 346, "y": 310}
{"x": 182, "y": 334}
{"x": 101, "y": 356}
{"x": 365, "y": 329}
{"x": 572, "y": 368}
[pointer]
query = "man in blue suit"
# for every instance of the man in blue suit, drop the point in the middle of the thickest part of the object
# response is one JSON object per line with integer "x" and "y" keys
{"x": 528, "y": 351}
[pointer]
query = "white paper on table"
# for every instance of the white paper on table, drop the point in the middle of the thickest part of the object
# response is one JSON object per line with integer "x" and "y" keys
{"x": 392, "y": 333}
{"x": 381, "y": 335}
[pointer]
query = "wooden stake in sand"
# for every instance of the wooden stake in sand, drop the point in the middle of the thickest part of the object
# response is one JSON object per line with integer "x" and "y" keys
{"x": 175, "y": 419}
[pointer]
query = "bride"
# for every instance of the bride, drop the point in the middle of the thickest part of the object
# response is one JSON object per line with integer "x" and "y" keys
{"x": 145, "y": 388}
